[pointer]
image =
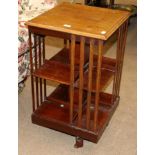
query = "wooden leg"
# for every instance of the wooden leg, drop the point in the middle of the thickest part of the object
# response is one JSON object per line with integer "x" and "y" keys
{"x": 79, "y": 142}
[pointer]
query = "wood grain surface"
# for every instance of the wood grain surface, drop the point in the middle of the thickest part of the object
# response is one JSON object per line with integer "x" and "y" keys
{"x": 99, "y": 23}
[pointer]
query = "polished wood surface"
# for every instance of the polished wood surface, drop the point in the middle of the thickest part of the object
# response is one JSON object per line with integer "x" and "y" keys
{"x": 83, "y": 20}
{"x": 58, "y": 67}
{"x": 98, "y": 84}
{"x": 89, "y": 82}
{"x": 60, "y": 95}
{"x": 81, "y": 72}
{"x": 106, "y": 77}
{"x": 55, "y": 71}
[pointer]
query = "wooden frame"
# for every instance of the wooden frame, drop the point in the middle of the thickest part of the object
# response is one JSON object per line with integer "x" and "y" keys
{"x": 78, "y": 106}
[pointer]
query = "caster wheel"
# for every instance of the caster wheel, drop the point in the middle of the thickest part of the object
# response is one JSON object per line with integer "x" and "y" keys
{"x": 78, "y": 143}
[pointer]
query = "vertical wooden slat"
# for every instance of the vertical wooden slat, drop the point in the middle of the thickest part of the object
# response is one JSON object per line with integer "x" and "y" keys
{"x": 123, "y": 51}
{"x": 98, "y": 84}
{"x": 39, "y": 43}
{"x": 65, "y": 43}
{"x": 82, "y": 45}
{"x": 43, "y": 43}
{"x": 35, "y": 51}
{"x": 119, "y": 58}
{"x": 72, "y": 77}
{"x": 91, "y": 53}
{"x": 31, "y": 69}
{"x": 41, "y": 96}
{"x": 117, "y": 65}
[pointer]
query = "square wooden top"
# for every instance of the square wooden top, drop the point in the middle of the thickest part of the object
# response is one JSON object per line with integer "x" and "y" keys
{"x": 99, "y": 23}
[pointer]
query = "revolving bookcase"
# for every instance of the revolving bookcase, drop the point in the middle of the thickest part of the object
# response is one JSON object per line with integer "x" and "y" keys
{"x": 78, "y": 106}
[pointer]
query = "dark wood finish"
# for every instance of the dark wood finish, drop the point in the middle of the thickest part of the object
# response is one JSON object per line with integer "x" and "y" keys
{"x": 72, "y": 76}
{"x": 107, "y": 63}
{"x": 60, "y": 95}
{"x": 119, "y": 57}
{"x": 44, "y": 119}
{"x": 81, "y": 66}
{"x": 103, "y": 115}
{"x": 106, "y": 77}
{"x": 58, "y": 67}
{"x": 56, "y": 71}
{"x": 79, "y": 106}
{"x": 118, "y": 52}
{"x": 65, "y": 43}
{"x": 53, "y": 115}
{"x": 79, "y": 142}
{"x": 111, "y": 3}
{"x": 36, "y": 66}
{"x": 64, "y": 56}
{"x": 123, "y": 51}
{"x": 89, "y": 82}
{"x": 98, "y": 78}
{"x": 43, "y": 40}
{"x": 105, "y": 99}
{"x": 40, "y": 62}
{"x": 55, "y": 112}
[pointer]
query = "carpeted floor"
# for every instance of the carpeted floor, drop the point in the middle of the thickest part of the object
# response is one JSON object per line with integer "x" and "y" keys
{"x": 119, "y": 137}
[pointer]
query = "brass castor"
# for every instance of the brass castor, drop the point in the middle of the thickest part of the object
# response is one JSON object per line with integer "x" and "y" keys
{"x": 79, "y": 142}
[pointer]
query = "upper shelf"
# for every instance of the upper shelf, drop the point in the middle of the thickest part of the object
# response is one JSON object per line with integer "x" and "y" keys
{"x": 99, "y": 23}
{"x": 58, "y": 67}
{"x": 64, "y": 55}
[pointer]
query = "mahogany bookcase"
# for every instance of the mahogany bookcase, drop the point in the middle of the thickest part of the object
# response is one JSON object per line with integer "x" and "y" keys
{"x": 79, "y": 106}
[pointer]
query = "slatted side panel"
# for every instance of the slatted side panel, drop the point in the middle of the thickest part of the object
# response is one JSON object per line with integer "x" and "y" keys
{"x": 122, "y": 34}
{"x": 37, "y": 58}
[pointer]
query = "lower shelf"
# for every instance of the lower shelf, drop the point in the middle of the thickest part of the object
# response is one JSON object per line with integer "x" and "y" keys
{"x": 55, "y": 115}
{"x": 61, "y": 95}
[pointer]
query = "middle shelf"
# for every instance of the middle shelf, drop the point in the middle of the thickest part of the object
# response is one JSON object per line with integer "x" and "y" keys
{"x": 57, "y": 69}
